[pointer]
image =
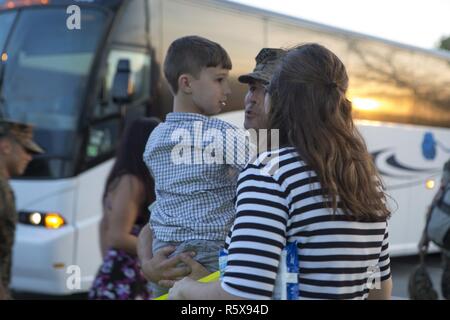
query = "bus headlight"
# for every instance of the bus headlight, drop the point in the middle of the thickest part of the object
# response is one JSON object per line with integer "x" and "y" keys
{"x": 35, "y": 218}
{"x": 49, "y": 220}
{"x": 53, "y": 221}
{"x": 430, "y": 184}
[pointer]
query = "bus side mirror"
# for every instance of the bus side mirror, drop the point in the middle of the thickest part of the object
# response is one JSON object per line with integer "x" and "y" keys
{"x": 123, "y": 88}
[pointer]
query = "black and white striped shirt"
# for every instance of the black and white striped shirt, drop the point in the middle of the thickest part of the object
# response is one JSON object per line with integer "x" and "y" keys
{"x": 282, "y": 201}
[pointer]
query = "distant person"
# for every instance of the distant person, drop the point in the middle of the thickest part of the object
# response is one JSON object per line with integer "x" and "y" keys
{"x": 16, "y": 150}
{"x": 161, "y": 269}
{"x": 324, "y": 194}
{"x": 437, "y": 230}
{"x": 194, "y": 206}
{"x": 129, "y": 190}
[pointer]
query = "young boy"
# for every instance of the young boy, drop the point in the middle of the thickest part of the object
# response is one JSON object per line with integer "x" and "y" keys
{"x": 195, "y": 181}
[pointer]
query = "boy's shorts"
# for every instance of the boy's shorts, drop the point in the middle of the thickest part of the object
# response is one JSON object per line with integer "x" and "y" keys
{"x": 207, "y": 253}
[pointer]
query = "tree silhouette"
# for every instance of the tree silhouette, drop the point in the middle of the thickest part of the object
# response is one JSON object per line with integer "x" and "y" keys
{"x": 445, "y": 43}
{"x": 383, "y": 68}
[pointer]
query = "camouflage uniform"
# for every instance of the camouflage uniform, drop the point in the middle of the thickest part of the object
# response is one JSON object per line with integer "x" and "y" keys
{"x": 267, "y": 61}
{"x": 23, "y": 134}
{"x": 8, "y": 218}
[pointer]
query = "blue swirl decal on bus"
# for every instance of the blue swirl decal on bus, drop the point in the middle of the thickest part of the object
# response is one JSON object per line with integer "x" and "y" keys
{"x": 429, "y": 146}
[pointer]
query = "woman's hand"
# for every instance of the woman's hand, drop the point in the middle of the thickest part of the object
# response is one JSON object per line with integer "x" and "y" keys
{"x": 161, "y": 268}
{"x": 164, "y": 270}
{"x": 189, "y": 289}
{"x": 196, "y": 270}
{"x": 179, "y": 289}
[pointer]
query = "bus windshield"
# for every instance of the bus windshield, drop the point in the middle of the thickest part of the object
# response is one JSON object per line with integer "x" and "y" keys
{"x": 44, "y": 76}
{"x": 6, "y": 20}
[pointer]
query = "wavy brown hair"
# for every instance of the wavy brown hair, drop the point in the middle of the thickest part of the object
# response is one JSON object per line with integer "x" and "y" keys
{"x": 310, "y": 108}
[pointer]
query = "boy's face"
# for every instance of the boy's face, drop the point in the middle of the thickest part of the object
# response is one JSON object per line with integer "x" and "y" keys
{"x": 210, "y": 90}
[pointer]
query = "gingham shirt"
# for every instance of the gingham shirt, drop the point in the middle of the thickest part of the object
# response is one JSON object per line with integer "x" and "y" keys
{"x": 194, "y": 197}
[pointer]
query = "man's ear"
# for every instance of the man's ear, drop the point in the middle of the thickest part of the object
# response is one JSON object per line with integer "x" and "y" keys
{"x": 184, "y": 83}
{"x": 5, "y": 146}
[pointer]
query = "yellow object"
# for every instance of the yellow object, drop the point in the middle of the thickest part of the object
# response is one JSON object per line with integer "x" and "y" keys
{"x": 430, "y": 184}
{"x": 53, "y": 221}
{"x": 209, "y": 278}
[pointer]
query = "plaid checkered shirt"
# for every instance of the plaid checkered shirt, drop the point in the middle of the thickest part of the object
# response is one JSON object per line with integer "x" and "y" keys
{"x": 195, "y": 161}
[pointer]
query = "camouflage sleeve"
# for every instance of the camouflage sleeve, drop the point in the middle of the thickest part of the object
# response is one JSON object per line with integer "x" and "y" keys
{"x": 3, "y": 293}
{"x": 3, "y": 215}
{"x": 4, "y": 236}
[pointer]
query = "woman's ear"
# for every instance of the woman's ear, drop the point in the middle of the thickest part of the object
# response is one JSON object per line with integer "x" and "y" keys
{"x": 184, "y": 84}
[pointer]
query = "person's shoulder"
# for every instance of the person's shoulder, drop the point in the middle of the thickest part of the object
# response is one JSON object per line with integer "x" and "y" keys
{"x": 275, "y": 163}
{"x": 129, "y": 183}
{"x": 274, "y": 156}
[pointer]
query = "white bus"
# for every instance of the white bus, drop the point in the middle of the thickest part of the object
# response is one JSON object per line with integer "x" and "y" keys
{"x": 79, "y": 85}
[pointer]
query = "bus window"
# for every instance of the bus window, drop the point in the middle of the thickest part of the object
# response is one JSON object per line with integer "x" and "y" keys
{"x": 102, "y": 140}
{"x": 432, "y": 89}
{"x": 107, "y": 120}
{"x": 45, "y": 80}
{"x": 377, "y": 88}
{"x": 140, "y": 78}
{"x": 283, "y": 35}
{"x": 398, "y": 85}
{"x": 219, "y": 26}
{"x": 6, "y": 19}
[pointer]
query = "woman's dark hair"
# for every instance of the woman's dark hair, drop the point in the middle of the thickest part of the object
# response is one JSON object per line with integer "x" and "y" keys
{"x": 129, "y": 156}
{"x": 310, "y": 108}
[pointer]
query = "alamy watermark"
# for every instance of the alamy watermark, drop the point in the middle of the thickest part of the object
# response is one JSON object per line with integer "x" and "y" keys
{"x": 213, "y": 146}
{"x": 73, "y": 281}
{"x": 373, "y": 278}
{"x": 73, "y": 22}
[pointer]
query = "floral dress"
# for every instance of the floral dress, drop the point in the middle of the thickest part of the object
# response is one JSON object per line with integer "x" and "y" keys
{"x": 120, "y": 276}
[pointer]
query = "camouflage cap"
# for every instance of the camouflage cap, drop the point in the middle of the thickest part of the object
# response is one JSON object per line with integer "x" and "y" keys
{"x": 21, "y": 132}
{"x": 266, "y": 62}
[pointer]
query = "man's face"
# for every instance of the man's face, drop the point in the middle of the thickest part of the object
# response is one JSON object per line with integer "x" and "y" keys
{"x": 15, "y": 157}
{"x": 210, "y": 90}
{"x": 255, "y": 117}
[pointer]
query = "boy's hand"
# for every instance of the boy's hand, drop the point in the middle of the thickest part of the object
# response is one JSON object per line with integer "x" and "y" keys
{"x": 161, "y": 267}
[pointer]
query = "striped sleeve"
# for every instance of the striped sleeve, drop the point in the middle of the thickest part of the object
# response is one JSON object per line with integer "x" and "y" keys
{"x": 258, "y": 236}
{"x": 384, "y": 262}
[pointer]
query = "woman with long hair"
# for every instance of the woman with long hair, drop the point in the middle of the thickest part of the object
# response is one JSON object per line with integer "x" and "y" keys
{"x": 129, "y": 190}
{"x": 320, "y": 190}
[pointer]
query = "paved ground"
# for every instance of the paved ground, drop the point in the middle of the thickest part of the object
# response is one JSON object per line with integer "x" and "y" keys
{"x": 401, "y": 270}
